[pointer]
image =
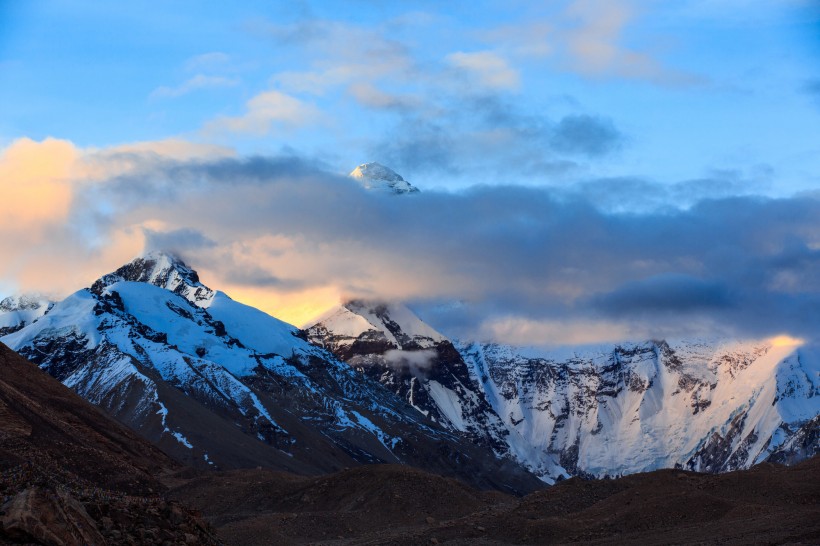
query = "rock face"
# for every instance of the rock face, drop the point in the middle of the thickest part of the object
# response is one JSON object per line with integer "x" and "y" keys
{"x": 608, "y": 411}
{"x": 49, "y": 518}
{"x": 69, "y": 475}
{"x": 375, "y": 176}
{"x": 218, "y": 384}
{"x": 388, "y": 343}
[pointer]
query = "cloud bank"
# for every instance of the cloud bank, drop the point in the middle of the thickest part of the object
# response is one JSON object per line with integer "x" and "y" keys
{"x": 523, "y": 264}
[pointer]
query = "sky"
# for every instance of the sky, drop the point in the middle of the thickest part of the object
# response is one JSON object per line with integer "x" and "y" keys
{"x": 590, "y": 171}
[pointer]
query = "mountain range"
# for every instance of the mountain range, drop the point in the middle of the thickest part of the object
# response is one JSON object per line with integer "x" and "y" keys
{"x": 216, "y": 383}
{"x": 606, "y": 411}
{"x": 219, "y": 384}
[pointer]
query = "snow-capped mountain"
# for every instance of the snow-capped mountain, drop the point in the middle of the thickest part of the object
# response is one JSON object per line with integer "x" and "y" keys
{"x": 705, "y": 406}
{"x": 18, "y": 311}
{"x": 218, "y": 383}
{"x": 608, "y": 411}
{"x": 390, "y": 344}
{"x": 375, "y": 176}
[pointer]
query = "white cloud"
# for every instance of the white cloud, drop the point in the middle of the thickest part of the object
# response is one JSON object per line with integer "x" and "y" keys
{"x": 488, "y": 68}
{"x": 266, "y": 112}
{"x": 527, "y": 331}
{"x": 200, "y": 81}
{"x": 207, "y": 61}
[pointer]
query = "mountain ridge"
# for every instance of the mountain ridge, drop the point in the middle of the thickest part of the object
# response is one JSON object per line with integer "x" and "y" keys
{"x": 219, "y": 384}
{"x": 615, "y": 409}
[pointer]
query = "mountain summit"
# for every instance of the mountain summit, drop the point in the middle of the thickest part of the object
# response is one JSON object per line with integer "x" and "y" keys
{"x": 375, "y": 176}
{"x": 164, "y": 270}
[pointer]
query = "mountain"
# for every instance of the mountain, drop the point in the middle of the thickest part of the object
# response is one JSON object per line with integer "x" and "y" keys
{"x": 18, "y": 311}
{"x": 70, "y": 475}
{"x": 704, "y": 406}
{"x": 375, "y": 176}
{"x": 219, "y": 384}
{"x": 601, "y": 412}
{"x": 388, "y": 343}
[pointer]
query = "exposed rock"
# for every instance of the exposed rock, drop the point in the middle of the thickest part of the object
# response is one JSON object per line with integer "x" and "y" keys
{"x": 51, "y": 517}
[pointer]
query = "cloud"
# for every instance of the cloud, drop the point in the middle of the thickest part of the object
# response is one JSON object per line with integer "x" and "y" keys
{"x": 34, "y": 182}
{"x": 594, "y": 45}
{"x": 182, "y": 241}
{"x": 206, "y": 61}
{"x": 527, "y": 264}
{"x": 677, "y": 293}
{"x": 586, "y": 37}
{"x": 588, "y": 135}
{"x": 370, "y": 96}
{"x": 490, "y": 138}
{"x": 636, "y": 195}
{"x": 200, "y": 81}
{"x": 42, "y": 225}
{"x": 487, "y": 68}
{"x": 410, "y": 360}
{"x": 529, "y": 40}
{"x": 266, "y": 112}
{"x": 530, "y": 332}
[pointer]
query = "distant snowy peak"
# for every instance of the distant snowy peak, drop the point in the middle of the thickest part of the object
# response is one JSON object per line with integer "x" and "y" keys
{"x": 162, "y": 269}
{"x": 397, "y": 321}
{"x": 375, "y": 176}
{"x": 18, "y": 311}
{"x": 396, "y": 325}
{"x": 25, "y": 302}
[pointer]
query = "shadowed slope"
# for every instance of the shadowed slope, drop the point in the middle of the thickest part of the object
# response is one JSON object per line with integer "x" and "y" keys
{"x": 72, "y": 475}
{"x": 384, "y": 504}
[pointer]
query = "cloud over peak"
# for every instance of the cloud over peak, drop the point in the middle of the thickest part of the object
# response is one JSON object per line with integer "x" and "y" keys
{"x": 541, "y": 263}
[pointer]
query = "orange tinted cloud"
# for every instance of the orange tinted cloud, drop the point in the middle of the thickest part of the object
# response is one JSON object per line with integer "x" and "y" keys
{"x": 34, "y": 182}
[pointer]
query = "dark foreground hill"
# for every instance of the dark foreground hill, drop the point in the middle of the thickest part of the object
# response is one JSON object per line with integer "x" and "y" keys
{"x": 70, "y": 475}
{"x": 384, "y": 504}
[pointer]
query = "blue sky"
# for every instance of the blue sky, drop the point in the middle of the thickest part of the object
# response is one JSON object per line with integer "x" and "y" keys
{"x": 690, "y": 87}
{"x": 590, "y": 170}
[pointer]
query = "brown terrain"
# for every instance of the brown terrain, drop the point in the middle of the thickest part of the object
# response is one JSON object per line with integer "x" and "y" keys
{"x": 384, "y": 504}
{"x": 72, "y": 476}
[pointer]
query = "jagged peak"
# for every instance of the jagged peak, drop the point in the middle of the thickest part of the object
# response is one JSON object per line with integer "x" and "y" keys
{"x": 375, "y": 176}
{"x": 163, "y": 269}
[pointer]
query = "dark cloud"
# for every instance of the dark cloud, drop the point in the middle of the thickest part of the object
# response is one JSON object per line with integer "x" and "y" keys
{"x": 491, "y": 138}
{"x": 640, "y": 195}
{"x": 420, "y": 146}
{"x": 180, "y": 241}
{"x": 743, "y": 265}
{"x": 586, "y": 135}
{"x": 671, "y": 293}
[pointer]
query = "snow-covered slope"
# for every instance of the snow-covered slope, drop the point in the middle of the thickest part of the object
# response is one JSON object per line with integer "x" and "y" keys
{"x": 390, "y": 344}
{"x": 706, "y": 406}
{"x": 375, "y": 176}
{"x": 217, "y": 383}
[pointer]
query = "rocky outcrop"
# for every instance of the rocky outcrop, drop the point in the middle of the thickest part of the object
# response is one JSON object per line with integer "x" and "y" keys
{"x": 47, "y": 517}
